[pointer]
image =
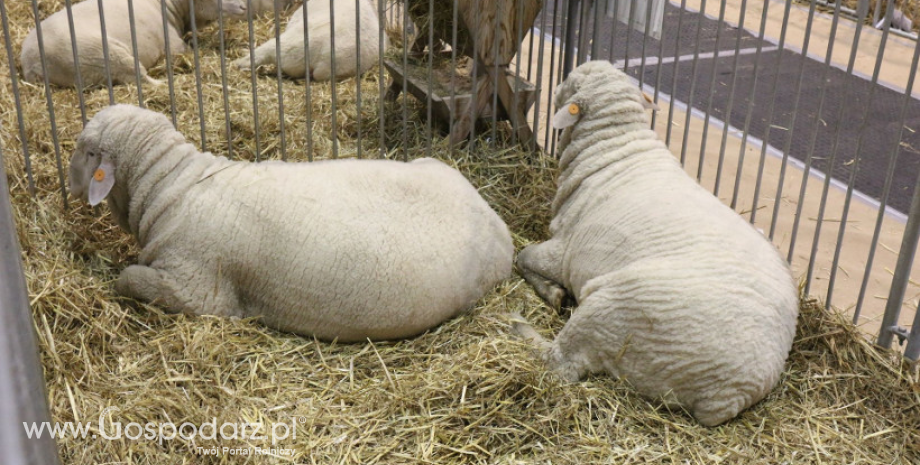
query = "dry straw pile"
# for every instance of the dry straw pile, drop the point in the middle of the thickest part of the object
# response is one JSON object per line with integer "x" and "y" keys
{"x": 466, "y": 392}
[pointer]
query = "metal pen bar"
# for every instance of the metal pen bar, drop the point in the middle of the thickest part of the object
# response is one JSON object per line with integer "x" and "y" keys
{"x": 912, "y": 352}
{"x": 751, "y": 104}
{"x": 693, "y": 77}
{"x": 308, "y": 89}
{"x": 195, "y": 57}
{"x": 477, "y": 13}
{"x": 358, "y": 77}
{"x": 795, "y": 111}
{"x": 50, "y": 103}
{"x": 223, "y": 78}
{"x": 530, "y": 50}
{"x": 137, "y": 62}
{"x": 596, "y": 22}
{"x": 23, "y": 394}
{"x": 731, "y": 99}
{"x": 453, "y": 76}
{"x": 833, "y": 158}
{"x": 332, "y": 81}
{"x": 280, "y": 78}
{"x": 680, "y": 22}
{"x": 810, "y": 154}
{"x": 429, "y": 133}
{"x": 581, "y": 44}
{"x": 106, "y": 63}
{"x": 648, "y": 24}
{"x": 568, "y": 43}
{"x": 658, "y": 75}
{"x": 169, "y": 65}
{"x": 78, "y": 75}
{"x": 613, "y": 30}
{"x": 17, "y": 99}
{"x": 712, "y": 92}
{"x": 558, "y": 74}
{"x": 539, "y": 83}
{"x": 902, "y": 268}
{"x": 889, "y": 178}
{"x": 516, "y": 100}
{"x": 253, "y": 79}
{"x": 381, "y": 90}
{"x": 851, "y": 185}
{"x": 770, "y": 112}
{"x": 495, "y": 71}
{"x": 405, "y": 86}
{"x": 630, "y": 21}
{"x": 552, "y": 67}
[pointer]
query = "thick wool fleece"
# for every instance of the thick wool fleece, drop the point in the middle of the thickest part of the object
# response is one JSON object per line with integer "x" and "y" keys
{"x": 348, "y": 39}
{"x": 345, "y": 249}
{"x": 149, "y": 33}
{"x": 677, "y": 293}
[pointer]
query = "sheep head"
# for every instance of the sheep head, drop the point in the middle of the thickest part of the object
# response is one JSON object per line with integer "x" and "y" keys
{"x": 594, "y": 84}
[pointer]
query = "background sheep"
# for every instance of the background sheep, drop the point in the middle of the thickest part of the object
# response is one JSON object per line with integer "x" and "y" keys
{"x": 148, "y": 23}
{"x": 320, "y": 34}
{"x": 347, "y": 249}
{"x": 677, "y": 294}
{"x": 264, "y": 6}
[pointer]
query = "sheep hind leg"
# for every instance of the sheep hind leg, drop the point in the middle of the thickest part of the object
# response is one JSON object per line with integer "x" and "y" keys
{"x": 550, "y": 351}
{"x": 538, "y": 264}
{"x": 147, "y": 284}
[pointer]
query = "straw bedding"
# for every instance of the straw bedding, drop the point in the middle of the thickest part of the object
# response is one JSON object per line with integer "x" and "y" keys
{"x": 467, "y": 392}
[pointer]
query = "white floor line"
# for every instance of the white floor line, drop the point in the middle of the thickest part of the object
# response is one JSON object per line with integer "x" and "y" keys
{"x": 652, "y": 61}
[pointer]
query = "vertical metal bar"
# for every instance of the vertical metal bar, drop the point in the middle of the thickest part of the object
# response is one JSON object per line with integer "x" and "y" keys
{"x": 137, "y": 63}
{"x": 78, "y": 75}
{"x": 889, "y": 177}
{"x": 429, "y": 134}
{"x": 648, "y": 24}
{"x": 630, "y": 21}
{"x": 358, "y": 75}
{"x": 596, "y": 22}
{"x": 751, "y": 104}
{"x": 731, "y": 98}
{"x": 693, "y": 75}
{"x": 832, "y": 37}
{"x": 405, "y": 86}
{"x": 254, "y": 82}
{"x": 106, "y": 63}
{"x": 770, "y": 110}
{"x": 613, "y": 30}
{"x": 453, "y": 76}
{"x": 169, "y": 65}
{"x": 515, "y": 124}
{"x": 335, "y": 116}
{"x": 539, "y": 83}
{"x": 474, "y": 116}
{"x": 50, "y": 103}
{"x": 530, "y": 50}
{"x": 712, "y": 92}
{"x": 17, "y": 100}
{"x": 582, "y": 41}
{"x": 912, "y": 352}
{"x": 863, "y": 8}
{"x": 23, "y": 395}
{"x": 552, "y": 67}
{"x": 223, "y": 78}
{"x": 859, "y": 141}
{"x": 280, "y": 79}
{"x": 558, "y": 73}
{"x": 381, "y": 91}
{"x": 496, "y": 70}
{"x": 901, "y": 277}
{"x": 795, "y": 111}
{"x": 680, "y": 22}
{"x": 308, "y": 89}
{"x": 569, "y": 41}
{"x": 658, "y": 75}
{"x": 195, "y": 57}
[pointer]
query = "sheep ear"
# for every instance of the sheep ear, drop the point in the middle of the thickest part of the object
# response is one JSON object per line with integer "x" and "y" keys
{"x": 567, "y": 116}
{"x": 103, "y": 180}
{"x": 648, "y": 103}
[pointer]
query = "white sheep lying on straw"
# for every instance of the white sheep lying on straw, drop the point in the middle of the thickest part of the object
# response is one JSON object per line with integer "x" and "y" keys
{"x": 347, "y": 41}
{"x": 344, "y": 249}
{"x": 677, "y": 294}
{"x": 149, "y": 33}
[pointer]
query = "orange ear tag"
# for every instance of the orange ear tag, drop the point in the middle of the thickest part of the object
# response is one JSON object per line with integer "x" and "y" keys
{"x": 573, "y": 109}
{"x": 99, "y": 175}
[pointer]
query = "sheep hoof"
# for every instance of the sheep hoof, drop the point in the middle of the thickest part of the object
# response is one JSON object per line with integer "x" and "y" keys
{"x": 243, "y": 63}
{"x": 155, "y": 82}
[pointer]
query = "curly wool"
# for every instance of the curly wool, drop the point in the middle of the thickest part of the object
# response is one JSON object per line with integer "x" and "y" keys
{"x": 343, "y": 249}
{"x": 677, "y": 293}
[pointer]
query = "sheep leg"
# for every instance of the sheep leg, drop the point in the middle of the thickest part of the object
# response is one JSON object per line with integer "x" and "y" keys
{"x": 551, "y": 352}
{"x": 538, "y": 265}
{"x": 148, "y": 284}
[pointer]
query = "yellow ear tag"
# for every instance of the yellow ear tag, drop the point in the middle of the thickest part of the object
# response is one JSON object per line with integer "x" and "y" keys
{"x": 573, "y": 109}
{"x": 99, "y": 175}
